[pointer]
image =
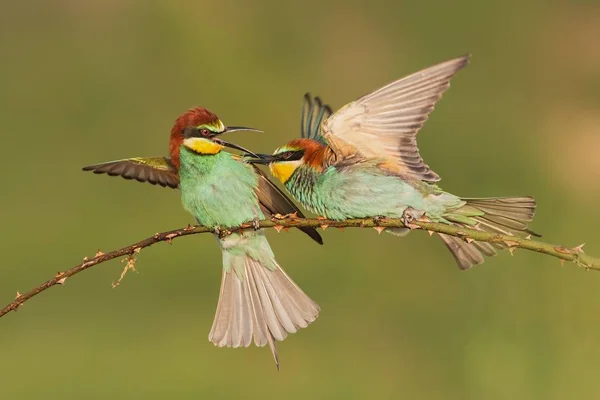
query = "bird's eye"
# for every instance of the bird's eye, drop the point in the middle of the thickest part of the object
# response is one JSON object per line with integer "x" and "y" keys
{"x": 287, "y": 154}
{"x": 205, "y": 132}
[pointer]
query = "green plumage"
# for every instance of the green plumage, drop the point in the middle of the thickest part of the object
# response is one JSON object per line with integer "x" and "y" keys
{"x": 363, "y": 190}
{"x": 257, "y": 299}
{"x": 218, "y": 190}
{"x": 363, "y": 161}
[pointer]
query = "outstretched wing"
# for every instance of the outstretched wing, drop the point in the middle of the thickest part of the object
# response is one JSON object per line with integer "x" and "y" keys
{"x": 154, "y": 170}
{"x": 274, "y": 201}
{"x": 384, "y": 124}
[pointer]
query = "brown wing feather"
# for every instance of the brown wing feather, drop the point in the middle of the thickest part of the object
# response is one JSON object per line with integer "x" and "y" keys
{"x": 154, "y": 170}
{"x": 384, "y": 124}
{"x": 273, "y": 201}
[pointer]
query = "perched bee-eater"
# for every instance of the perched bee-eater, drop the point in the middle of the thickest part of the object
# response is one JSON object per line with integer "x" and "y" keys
{"x": 363, "y": 161}
{"x": 258, "y": 300}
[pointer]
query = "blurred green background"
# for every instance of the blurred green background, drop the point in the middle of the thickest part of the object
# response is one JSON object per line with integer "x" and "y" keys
{"x": 89, "y": 81}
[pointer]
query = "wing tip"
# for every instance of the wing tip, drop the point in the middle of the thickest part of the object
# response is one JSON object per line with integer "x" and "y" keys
{"x": 96, "y": 169}
{"x": 455, "y": 64}
{"x": 316, "y": 236}
{"x": 465, "y": 60}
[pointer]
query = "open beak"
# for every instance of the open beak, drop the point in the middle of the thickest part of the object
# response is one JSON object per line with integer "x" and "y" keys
{"x": 235, "y": 146}
{"x": 262, "y": 159}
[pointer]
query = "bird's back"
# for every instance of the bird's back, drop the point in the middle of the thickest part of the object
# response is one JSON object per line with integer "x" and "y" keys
{"x": 353, "y": 192}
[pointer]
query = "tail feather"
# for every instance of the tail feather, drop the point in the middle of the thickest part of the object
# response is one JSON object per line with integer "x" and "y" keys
{"x": 260, "y": 303}
{"x": 504, "y": 215}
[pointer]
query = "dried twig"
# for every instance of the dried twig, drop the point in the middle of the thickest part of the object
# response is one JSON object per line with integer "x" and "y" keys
{"x": 575, "y": 254}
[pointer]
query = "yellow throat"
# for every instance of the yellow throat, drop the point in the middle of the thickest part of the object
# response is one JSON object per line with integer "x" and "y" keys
{"x": 202, "y": 146}
{"x": 284, "y": 170}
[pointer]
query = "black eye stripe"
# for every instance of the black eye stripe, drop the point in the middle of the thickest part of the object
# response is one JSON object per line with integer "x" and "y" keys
{"x": 291, "y": 155}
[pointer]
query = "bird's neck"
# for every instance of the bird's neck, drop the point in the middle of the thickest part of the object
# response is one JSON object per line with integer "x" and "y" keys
{"x": 199, "y": 164}
{"x": 302, "y": 183}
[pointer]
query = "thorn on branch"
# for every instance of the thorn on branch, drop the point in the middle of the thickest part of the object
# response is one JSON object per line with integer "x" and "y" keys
{"x": 170, "y": 237}
{"x": 16, "y": 306}
{"x": 99, "y": 253}
{"x": 579, "y": 249}
{"x": 278, "y": 228}
{"x": 60, "y": 279}
{"x": 379, "y": 229}
{"x": 562, "y": 250}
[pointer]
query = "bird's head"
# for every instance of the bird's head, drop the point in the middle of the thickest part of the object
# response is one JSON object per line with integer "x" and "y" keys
{"x": 198, "y": 130}
{"x": 286, "y": 160}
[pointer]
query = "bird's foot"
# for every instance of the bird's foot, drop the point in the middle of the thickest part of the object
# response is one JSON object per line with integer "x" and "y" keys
{"x": 378, "y": 219}
{"x": 256, "y": 223}
{"x": 221, "y": 233}
{"x": 409, "y": 216}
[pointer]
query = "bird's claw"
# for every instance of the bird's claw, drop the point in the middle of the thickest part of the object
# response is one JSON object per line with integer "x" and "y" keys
{"x": 379, "y": 219}
{"x": 409, "y": 216}
{"x": 256, "y": 223}
{"x": 221, "y": 233}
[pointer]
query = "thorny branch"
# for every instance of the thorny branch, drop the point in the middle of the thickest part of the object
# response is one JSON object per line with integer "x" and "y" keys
{"x": 575, "y": 254}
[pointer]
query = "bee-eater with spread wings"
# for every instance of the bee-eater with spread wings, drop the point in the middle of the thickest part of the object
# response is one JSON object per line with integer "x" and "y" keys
{"x": 363, "y": 161}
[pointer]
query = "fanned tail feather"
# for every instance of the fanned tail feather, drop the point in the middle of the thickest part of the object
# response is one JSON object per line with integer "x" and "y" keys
{"x": 256, "y": 302}
{"x": 503, "y": 215}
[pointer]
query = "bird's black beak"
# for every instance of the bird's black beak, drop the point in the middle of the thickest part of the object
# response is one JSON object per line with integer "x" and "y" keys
{"x": 232, "y": 145}
{"x": 191, "y": 131}
{"x": 240, "y": 128}
{"x": 262, "y": 159}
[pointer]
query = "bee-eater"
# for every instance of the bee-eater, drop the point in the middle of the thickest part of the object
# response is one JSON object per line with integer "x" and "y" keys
{"x": 257, "y": 300}
{"x": 363, "y": 161}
